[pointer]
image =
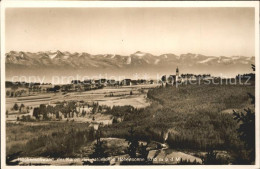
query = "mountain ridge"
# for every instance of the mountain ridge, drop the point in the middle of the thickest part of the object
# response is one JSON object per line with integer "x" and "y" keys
{"x": 52, "y": 64}
{"x": 83, "y": 59}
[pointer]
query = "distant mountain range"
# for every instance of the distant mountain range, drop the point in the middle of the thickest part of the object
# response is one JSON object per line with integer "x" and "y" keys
{"x": 86, "y": 60}
{"x": 139, "y": 62}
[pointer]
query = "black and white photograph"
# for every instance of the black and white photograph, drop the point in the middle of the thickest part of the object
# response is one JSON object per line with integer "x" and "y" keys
{"x": 126, "y": 84}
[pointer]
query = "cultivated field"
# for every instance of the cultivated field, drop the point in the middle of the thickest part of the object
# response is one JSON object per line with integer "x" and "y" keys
{"x": 138, "y": 99}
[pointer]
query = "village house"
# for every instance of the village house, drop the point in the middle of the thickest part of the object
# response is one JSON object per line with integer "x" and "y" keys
{"x": 83, "y": 110}
{"x": 107, "y": 122}
{"x": 172, "y": 79}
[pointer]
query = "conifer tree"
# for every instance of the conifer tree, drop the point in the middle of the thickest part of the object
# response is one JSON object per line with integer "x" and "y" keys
{"x": 132, "y": 143}
{"x": 246, "y": 130}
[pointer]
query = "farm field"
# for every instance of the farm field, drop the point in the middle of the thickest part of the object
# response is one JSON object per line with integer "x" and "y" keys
{"x": 136, "y": 100}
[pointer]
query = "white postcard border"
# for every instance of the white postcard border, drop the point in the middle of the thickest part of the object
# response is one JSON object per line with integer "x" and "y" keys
{"x": 119, "y": 4}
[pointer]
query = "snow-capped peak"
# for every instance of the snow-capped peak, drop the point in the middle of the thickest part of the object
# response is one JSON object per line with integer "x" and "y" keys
{"x": 139, "y": 54}
{"x": 66, "y": 56}
{"x": 113, "y": 56}
{"x": 156, "y": 61}
{"x": 206, "y": 60}
{"x": 52, "y": 51}
{"x": 236, "y": 57}
{"x": 129, "y": 60}
{"x": 52, "y": 56}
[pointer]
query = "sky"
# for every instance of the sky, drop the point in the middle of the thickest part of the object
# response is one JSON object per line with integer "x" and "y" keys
{"x": 208, "y": 31}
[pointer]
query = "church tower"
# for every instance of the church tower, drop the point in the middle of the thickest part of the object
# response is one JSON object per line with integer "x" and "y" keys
{"x": 177, "y": 77}
{"x": 177, "y": 72}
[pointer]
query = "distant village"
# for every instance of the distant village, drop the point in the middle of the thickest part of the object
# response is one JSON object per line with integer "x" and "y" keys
{"x": 24, "y": 89}
{"x": 181, "y": 78}
{"x": 65, "y": 110}
{"x": 79, "y": 110}
{"x": 16, "y": 89}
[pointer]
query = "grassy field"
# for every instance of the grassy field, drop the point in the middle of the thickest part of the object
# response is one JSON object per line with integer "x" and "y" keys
{"x": 121, "y": 97}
